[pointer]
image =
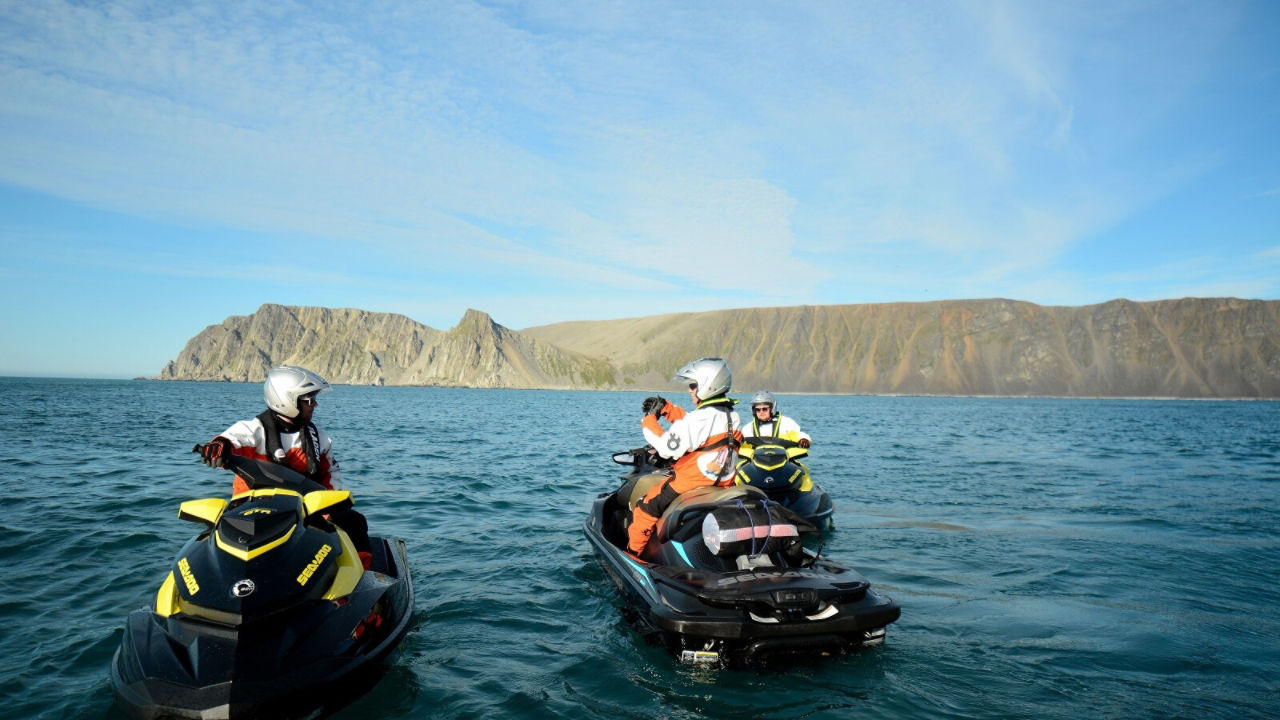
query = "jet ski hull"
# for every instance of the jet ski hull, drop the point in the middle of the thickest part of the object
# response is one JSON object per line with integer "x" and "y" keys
{"x": 302, "y": 662}
{"x": 738, "y": 617}
{"x": 816, "y": 507}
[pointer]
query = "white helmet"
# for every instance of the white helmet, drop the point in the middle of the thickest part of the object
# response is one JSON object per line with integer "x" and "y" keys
{"x": 711, "y": 374}
{"x": 286, "y": 383}
{"x": 764, "y": 397}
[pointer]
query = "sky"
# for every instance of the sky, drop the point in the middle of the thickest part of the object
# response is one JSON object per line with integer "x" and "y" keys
{"x": 164, "y": 166}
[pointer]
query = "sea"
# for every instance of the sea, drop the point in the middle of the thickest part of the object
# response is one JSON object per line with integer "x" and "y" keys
{"x": 1054, "y": 558}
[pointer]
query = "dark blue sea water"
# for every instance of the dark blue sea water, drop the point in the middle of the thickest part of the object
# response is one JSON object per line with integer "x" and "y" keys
{"x": 1053, "y": 558}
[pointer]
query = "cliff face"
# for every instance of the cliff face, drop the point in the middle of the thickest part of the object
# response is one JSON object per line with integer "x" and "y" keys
{"x": 1173, "y": 348}
{"x": 354, "y": 347}
{"x": 480, "y": 353}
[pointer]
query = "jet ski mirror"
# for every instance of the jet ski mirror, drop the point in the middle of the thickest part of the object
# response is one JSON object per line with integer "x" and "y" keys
{"x": 206, "y": 511}
{"x": 641, "y": 456}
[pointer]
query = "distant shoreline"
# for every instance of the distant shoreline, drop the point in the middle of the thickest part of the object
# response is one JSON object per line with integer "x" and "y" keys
{"x": 669, "y": 390}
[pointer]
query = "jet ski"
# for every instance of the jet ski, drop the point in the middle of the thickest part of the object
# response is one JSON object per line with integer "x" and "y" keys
{"x": 732, "y": 578}
{"x": 266, "y": 613}
{"x": 773, "y": 465}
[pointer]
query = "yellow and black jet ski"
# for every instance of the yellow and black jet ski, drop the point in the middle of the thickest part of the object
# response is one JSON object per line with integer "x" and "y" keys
{"x": 268, "y": 612}
{"x": 773, "y": 465}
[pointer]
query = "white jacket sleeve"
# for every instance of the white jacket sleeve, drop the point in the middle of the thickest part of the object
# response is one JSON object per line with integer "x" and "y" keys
{"x": 673, "y": 443}
{"x": 247, "y": 433}
{"x": 790, "y": 429}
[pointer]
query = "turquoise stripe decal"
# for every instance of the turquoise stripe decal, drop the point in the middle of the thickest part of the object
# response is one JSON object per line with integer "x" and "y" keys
{"x": 685, "y": 558}
{"x": 639, "y": 571}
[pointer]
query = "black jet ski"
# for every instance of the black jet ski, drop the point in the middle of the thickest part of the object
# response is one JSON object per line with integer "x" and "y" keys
{"x": 730, "y": 577}
{"x": 773, "y": 465}
{"x": 268, "y": 613}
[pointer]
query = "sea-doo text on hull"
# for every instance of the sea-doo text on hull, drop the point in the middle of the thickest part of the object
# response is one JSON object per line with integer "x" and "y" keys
{"x": 268, "y": 613}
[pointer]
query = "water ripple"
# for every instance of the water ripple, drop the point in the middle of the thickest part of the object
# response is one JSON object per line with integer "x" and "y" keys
{"x": 1054, "y": 558}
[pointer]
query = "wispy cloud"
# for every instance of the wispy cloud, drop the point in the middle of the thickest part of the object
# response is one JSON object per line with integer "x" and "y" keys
{"x": 636, "y": 149}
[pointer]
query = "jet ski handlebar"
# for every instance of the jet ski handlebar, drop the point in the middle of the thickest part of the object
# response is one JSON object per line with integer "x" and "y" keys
{"x": 642, "y": 456}
{"x": 259, "y": 474}
{"x": 758, "y": 440}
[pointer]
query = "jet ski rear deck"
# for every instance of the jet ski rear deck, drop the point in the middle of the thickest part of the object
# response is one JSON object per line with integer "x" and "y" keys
{"x": 732, "y": 610}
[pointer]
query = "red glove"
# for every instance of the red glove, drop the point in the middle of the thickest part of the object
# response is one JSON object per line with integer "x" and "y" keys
{"x": 215, "y": 454}
{"x": 804, "y": 442}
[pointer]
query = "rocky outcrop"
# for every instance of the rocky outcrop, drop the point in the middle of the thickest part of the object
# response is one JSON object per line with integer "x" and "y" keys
{"x": 1221, "y": 347}
{"x": 481, "y": 353}
{"x": 355, "y": 347}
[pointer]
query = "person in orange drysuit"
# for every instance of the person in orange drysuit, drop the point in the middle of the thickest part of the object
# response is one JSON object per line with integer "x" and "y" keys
{"x": 703, "y": 443}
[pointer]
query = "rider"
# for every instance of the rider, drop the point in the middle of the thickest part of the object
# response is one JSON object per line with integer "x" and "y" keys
{"x": 284, "y": 434}
{"x": 703, "y": 443}
{"x": 767, "y": 422}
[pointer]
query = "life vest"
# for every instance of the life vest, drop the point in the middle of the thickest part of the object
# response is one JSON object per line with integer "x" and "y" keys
{"x": 726, "y": 475}
{"x": 777, "y": 427}
{"x": 726, "y": 405}
{"x": 276, "y": 452}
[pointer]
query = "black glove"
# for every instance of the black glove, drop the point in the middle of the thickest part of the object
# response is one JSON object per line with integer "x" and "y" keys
{"x": 654, "y": 405}
{"x": 215, "y": 454}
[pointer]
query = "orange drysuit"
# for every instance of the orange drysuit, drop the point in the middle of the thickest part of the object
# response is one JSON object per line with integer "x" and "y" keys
{"x": 704, "y": 444}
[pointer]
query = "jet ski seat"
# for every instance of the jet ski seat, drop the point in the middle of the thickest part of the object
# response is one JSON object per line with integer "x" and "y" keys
{"x": 691, "y": 506}
{"x": 634, "y": 492}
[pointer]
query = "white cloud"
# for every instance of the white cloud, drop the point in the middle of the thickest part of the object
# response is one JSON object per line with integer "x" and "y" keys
{"x": 634, "y": 149}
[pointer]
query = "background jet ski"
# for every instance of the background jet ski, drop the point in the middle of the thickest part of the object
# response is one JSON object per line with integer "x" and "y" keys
{"x": 268, "y": 613}
{"x": 728, "y": 578}
{"x": 772, "y": 465}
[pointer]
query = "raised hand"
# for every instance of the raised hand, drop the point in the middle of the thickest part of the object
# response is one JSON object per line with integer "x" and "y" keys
{"x": 654, "y": 405}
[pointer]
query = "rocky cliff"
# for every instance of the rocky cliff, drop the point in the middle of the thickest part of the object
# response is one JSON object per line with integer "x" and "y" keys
{"x": 355, "y": 347}
{"x": 1175, "y": 348}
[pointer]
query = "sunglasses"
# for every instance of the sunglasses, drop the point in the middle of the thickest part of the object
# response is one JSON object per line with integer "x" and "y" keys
{"x": 307, "y": 400}
{"x": 762, "y": 408}
{"x": 693, "y": 386}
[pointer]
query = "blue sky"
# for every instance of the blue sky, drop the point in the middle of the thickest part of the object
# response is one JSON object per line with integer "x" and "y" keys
{"x": 166, "y": 165}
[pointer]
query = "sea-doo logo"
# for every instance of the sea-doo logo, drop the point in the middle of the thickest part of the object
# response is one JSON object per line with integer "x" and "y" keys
{"x": 184, "y": 568}
{"x": 734, "y": 580}
{"x": 257, "y": 511}
{"x": 314, "y": 565}
{"x": 243, "y": 588}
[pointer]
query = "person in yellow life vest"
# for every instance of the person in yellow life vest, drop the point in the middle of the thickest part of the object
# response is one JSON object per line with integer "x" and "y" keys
{"x": 767, "y": 422}
{"x": 703, "y": 443}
